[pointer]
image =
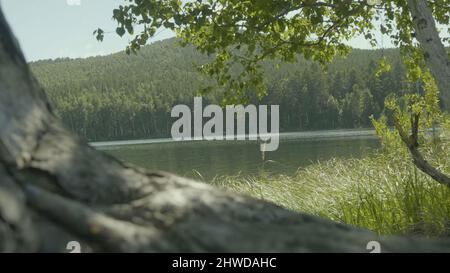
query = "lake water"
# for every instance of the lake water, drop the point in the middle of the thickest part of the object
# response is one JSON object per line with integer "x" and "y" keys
{"x": 211, "y": 158}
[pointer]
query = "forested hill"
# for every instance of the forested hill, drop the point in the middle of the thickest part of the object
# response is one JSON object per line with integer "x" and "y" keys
{"x": 126, "y": 97}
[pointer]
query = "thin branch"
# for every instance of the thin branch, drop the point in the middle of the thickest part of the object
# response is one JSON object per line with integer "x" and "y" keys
{"x": 413, "y": 147}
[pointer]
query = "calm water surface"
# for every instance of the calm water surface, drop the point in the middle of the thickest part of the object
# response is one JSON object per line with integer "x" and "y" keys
{"x": 211, "y": 158}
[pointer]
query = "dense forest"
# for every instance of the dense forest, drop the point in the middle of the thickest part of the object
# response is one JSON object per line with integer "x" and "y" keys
{"x": 127, "y": 97}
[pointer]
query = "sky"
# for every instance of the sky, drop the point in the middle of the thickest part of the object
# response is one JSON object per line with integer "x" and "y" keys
{"x": 49, "y": 29}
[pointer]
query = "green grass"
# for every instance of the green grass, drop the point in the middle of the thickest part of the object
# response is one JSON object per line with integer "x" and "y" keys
{"x": 384, "y": 193}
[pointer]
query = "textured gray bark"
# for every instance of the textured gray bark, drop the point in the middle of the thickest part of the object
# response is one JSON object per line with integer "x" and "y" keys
{"x": 436, "y": 57}
{"x": 54, "y": 188}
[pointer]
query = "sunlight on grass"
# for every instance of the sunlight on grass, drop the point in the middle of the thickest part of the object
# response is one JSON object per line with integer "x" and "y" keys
{"x": 384, "y": 193}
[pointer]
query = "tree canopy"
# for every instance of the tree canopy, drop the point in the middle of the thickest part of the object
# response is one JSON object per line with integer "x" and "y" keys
{"x": 243, "y": 33}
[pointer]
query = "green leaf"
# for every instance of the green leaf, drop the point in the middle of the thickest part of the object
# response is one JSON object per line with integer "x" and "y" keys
{"x": 120, "y": 31}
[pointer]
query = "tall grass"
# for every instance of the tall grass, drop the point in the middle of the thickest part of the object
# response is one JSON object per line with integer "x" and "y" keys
{"x": 385, "y": 192}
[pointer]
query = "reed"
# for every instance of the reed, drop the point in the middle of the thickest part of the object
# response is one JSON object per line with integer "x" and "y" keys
{"x": 384, "y": 192}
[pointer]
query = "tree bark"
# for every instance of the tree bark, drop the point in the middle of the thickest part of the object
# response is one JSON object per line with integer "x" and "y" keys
{"x": 54, "y": 188}
{"x": 435, "y": 54}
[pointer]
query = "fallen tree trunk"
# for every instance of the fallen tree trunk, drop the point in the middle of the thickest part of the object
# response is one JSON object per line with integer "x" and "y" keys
{"x": 54, "y": 188}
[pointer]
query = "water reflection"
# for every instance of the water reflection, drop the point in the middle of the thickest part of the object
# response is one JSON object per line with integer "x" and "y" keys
{"x": 233, "y": 157}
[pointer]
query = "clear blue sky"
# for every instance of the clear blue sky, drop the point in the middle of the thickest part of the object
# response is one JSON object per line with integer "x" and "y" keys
{"x": 47, "y": 29}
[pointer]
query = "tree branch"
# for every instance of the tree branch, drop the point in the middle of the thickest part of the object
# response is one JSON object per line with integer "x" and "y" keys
{"x": 413, "y": 147}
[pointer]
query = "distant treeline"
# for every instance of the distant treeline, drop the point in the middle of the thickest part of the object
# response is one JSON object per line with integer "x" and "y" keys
{"x": 126, "y": 97}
